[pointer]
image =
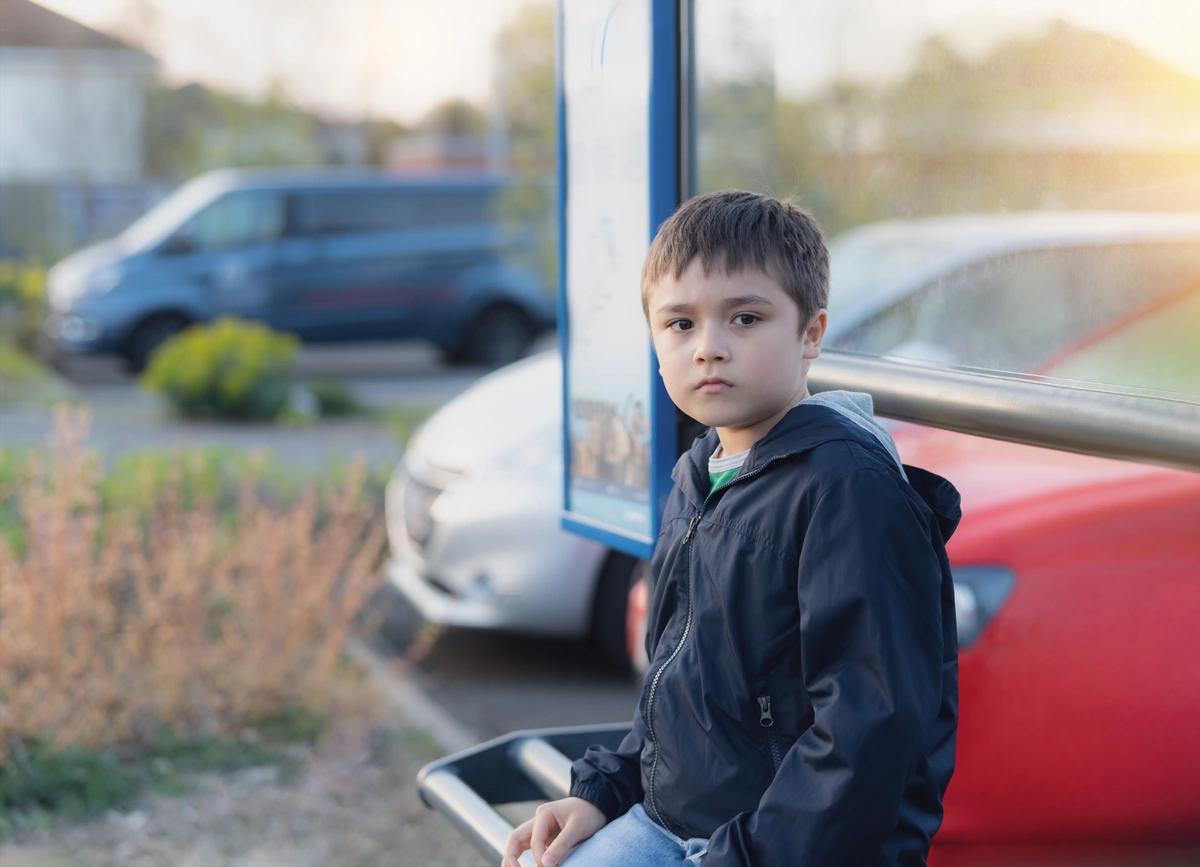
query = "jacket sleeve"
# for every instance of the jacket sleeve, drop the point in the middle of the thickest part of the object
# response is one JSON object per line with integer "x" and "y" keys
{"x": 869, "y": 588}
{"x": 611, "y": 779}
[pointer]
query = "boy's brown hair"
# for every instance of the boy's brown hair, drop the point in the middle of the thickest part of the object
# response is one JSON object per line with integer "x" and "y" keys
{"x": 734, "y": 229}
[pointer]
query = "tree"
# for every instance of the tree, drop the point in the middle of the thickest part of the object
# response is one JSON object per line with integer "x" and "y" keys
{"x": 524, "y": 86}
{"x": 455, "y": 117}
{"x": 525, "y": 118}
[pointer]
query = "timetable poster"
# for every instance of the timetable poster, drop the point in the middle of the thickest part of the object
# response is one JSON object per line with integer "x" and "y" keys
{"x": 606, "y": 88}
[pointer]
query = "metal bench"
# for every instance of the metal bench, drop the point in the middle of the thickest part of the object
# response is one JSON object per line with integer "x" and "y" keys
{"x": 529, "y": 765}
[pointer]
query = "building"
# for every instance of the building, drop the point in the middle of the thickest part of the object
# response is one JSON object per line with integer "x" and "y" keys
{"x": 71, "y": 100}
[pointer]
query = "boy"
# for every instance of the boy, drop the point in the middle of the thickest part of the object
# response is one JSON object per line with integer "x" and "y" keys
{"x": 801, "y": 702}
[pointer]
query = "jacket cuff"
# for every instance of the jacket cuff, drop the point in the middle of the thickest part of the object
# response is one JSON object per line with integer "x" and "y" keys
{"x": 598, "y": 794}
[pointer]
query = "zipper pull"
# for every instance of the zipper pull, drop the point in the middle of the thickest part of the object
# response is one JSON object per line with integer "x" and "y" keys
{"x": 764, "y": 712}
{"x": 687, "y": 537}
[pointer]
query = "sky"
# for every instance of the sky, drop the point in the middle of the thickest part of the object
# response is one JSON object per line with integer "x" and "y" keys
{"x": 398, "y": 58}
{"x": 875, "y": 40}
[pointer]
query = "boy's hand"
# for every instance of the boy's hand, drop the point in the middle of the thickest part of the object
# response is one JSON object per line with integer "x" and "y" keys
{"x": 555, "y": 829}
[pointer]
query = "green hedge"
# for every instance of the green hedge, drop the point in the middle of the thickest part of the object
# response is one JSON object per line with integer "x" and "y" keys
{"x": 229, "y": 369}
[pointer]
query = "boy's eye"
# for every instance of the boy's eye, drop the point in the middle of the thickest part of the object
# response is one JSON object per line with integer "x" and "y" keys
{"x": 679, "y": 324}
{"x": 749, "y": 318}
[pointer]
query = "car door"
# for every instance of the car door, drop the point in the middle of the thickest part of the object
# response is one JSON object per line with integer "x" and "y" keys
{"x": 229, "y": 249}
{"x": 357, "y": 282}
{"x": 458, "y": 232}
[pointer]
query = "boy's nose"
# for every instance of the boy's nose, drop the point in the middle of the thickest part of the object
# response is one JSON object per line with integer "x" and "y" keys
{"x": 710, "y": 347}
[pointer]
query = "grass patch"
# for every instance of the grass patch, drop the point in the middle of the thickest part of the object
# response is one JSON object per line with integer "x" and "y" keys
{"x": 41, "y": 784}
{"x": 24, "y": 379}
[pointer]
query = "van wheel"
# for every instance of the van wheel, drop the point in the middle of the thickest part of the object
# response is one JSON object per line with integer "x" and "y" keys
{"x": 148, "y": 337}
{"x": 609, "y": 605}
{"x": 501, "y": 333}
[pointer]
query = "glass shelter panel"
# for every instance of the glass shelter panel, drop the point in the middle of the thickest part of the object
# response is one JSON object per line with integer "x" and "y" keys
{"x": 607, "y": 89}
{"x": 1009, "y": 187}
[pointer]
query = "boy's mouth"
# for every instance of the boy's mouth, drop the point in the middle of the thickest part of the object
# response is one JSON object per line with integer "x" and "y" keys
{"x": 713, "y": 384}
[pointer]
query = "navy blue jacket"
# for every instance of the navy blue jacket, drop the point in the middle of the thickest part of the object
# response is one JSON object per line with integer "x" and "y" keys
{"x": 802, "y": 697}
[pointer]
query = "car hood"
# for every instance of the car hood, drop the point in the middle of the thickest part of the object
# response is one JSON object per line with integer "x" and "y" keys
{"x": 508, "y": 410}
{"x": 67, "y": 280}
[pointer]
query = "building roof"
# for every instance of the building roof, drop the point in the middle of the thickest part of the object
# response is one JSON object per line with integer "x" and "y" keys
{"x": 29, "y": 25}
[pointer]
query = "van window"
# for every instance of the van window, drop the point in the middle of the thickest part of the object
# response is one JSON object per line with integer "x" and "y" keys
{"x": 441, "y": 208}
{"x": 336, "y": 212}
{"x": 237, "y": 219}
{"x": 340, "y": 212}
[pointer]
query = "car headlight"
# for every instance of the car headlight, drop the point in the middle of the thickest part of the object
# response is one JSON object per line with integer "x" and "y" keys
{"x": 77, "y": 329}
{"x": 979, "y": 592}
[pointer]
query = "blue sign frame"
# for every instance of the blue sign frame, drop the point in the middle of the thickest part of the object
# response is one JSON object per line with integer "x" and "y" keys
{"x": 662, "y": 152}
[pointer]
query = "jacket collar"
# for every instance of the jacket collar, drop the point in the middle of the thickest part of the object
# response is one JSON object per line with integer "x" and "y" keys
{"x": 806, "y": 426}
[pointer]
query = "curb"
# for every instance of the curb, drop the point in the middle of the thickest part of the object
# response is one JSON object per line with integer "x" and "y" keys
{"x": 408, "y": 700}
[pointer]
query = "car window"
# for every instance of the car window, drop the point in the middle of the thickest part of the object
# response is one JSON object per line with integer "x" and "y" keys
{"x": 1019, "y": 311}
{"x": 238, "y": 219}
{"x": 339, "y": 212}
{"x": 165, "y": 219}
{"x": 861, "y": 264}
{"x": 1154, "y": 350}
{"x": 444, "y": 208}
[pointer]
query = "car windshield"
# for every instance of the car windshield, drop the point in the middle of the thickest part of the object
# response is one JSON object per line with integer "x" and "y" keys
{"x": 1155, "y": 352}
{"x": 860, "y": 263}
{"x": 157, "y": 224}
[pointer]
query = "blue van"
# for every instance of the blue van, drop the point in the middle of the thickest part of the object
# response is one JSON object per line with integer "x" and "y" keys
{"x": 327, "y": 255}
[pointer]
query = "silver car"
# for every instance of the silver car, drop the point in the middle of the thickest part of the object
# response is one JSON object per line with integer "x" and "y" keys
{"x": 472, "y": 516}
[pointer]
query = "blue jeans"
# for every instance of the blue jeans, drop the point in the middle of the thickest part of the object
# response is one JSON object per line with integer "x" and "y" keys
{"x": 635, "y": 840}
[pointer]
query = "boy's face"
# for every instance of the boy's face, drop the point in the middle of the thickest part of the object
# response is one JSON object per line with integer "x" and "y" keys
{"x": 743, "y": 329}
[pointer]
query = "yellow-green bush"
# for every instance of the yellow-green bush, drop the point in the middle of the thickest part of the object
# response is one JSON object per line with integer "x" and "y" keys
{"x": 229, "y": 369}
{"x": 22, "y": 296}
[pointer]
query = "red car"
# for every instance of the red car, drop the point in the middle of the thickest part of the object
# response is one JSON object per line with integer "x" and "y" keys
{"x": 1078, "y": 598}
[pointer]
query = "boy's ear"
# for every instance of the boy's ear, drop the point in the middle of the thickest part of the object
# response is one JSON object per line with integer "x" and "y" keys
{"x": 814, "y": 333}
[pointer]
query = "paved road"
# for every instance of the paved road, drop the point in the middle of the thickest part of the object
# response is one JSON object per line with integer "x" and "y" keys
{"x": 380, "y": 375}
{"x": 495, "y": 684}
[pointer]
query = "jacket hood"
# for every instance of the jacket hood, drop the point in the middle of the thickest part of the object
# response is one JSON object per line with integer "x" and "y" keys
{"x": 821, "y": 418}
{"x": 859, "y": 407}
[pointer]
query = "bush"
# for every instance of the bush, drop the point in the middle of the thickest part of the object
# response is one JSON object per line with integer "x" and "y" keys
{"x": 201, "y": 607}
{"x": 22, "y": 299}
{"x": 229, "y": 370}
{"x": 334, "y": 400}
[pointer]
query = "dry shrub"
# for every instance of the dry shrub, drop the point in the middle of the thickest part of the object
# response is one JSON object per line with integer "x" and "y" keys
{"x": 200, "y": 616}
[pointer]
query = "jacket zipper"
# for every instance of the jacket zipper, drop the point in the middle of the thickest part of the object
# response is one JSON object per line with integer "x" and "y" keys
{"x": 687, "y": 626}
{"x": 767, "y": 720}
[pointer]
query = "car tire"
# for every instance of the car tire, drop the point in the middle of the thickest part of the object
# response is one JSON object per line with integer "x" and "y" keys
{"x": 499, "y": 335}
{"x": 609, "y": 605}
{"x": 390, "y": 616}
{"x": 148, "y": 337}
